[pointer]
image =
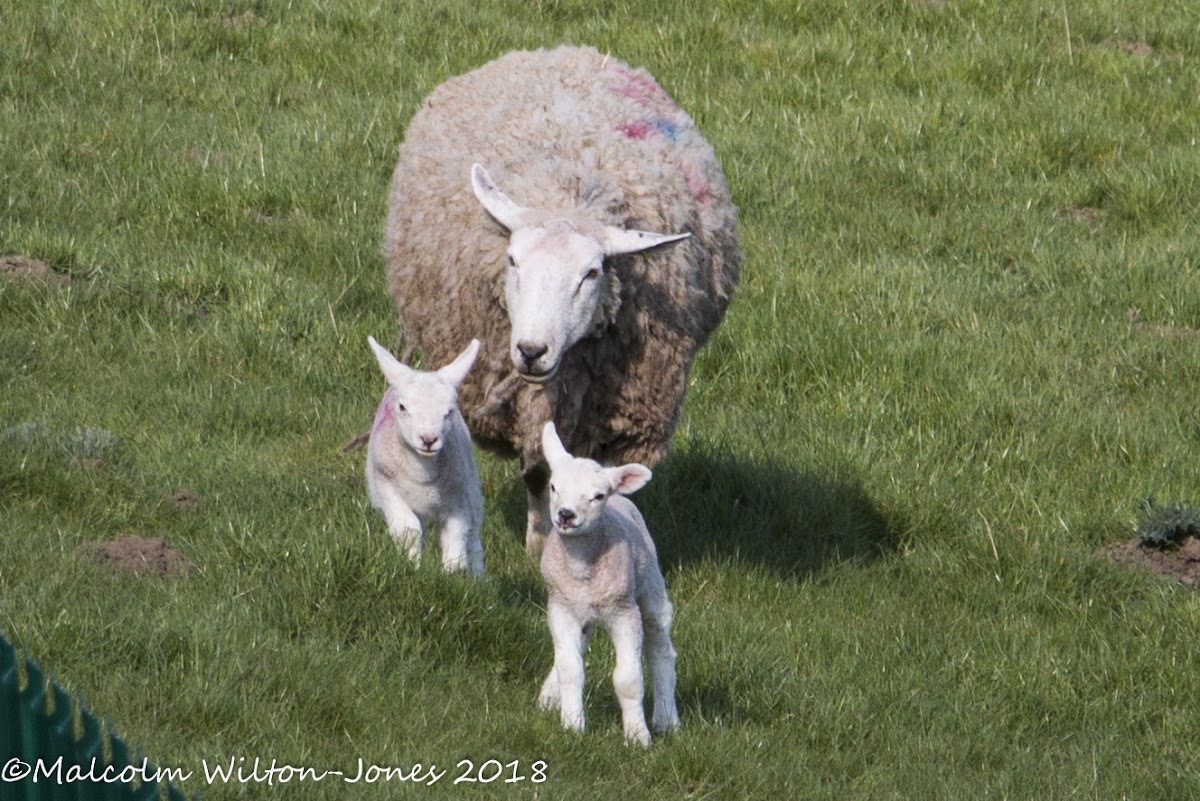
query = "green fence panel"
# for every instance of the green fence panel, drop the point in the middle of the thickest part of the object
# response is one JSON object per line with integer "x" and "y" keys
{"x": 65, "y": 752}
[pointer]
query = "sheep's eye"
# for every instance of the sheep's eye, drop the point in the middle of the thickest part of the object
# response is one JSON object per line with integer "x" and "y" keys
{"x": 552, "y": 489}
{"x": 512, "y": 262}
{"x": 592, "y": 274}
{"x": 599, "y": 496}
{"x": 400, "y": 407}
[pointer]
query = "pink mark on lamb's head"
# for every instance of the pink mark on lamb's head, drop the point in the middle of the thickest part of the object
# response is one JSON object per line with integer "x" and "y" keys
{"x": 384, "y": 413}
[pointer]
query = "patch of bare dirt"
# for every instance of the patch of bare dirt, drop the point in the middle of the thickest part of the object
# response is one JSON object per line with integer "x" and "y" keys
{"x": 235, "y": 21}
{"x": 23, "y": 268}
{"x": 141, "y": 556}
{"x": 1181, "y": 563}
{"x": 1139, "y": 49}
{"x": 1083, "y": 215}
{"x": 186, "y": 501}
{"x": 1135, "y": 316}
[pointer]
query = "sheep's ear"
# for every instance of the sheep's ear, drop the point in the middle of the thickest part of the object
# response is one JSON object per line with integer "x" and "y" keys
{"x": 552, "y": 447}
{"x": 454, "y": 372}
{"x": 498, "y": 204}
{"x": 622, "y": 241}
{"x": 395, "y": 372}
{"x": 629, "y": 477}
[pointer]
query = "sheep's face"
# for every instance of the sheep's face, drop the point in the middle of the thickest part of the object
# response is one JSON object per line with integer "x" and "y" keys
{"x": 580, "y": 488}
{"x": 423, "y": 404}
{"x": 555, "y": 285}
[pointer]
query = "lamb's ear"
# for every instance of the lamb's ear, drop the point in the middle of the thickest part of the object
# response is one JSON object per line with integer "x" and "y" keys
{"x": 621, "y": 241}
{"x": 552, "y": 447}
{"x": 628, "y": 477}
{"x": 395, "y": 372}
{"x": 454, "y": 372}
{"x": 498, "y": 204}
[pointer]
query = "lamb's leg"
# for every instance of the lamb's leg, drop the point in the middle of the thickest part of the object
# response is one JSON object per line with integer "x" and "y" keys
{"x": 537, "y": 479}
{"x": 660, "y": 658}
{"x": 459, "y": 538}
{"x": 627, "y": 677}
{"x": 403, "y": 524}
{"x": 475, "y": 551}
{"x": 551, "y": 695}
{"x": 567, "y": 674}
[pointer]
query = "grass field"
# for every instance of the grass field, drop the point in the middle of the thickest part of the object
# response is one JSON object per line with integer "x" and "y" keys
{"x": 964, "y": 349}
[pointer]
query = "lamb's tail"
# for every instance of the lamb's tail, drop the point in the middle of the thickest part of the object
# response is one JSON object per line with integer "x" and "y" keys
{"x": 355, "y": 443}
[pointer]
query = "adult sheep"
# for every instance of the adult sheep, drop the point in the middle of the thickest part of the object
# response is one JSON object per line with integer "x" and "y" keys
{"x": 592, "y": 279}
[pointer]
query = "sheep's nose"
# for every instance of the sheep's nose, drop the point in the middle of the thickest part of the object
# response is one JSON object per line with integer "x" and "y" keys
{"x": 565, "y": 516}
{"x": 429, "y": 443}
{"x": 531, "y": 351}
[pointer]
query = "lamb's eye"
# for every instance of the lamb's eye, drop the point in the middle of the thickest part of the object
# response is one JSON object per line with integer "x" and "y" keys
{"x": 599, "y": 496}
{"x": 552, "y": 489}
{"x": 592, "y": 274}
{"x": 400, "y": 407}
{"x": 512, "y": 263}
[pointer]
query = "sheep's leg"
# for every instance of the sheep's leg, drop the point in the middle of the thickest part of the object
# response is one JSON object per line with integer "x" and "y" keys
{"x": 461, "y": 549}
{"x": 660, "y": 658}
{"x": 627, "y": 677}
{"x": 537, "y": 480}
{"x": 538, "y": 526}
{"x": 403, "y": 524}
{"x": 567, "y": 674}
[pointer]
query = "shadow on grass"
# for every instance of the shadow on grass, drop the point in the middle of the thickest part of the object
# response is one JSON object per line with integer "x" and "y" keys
{"x": 760, "y": 513}
{"x": 726, "y": 508}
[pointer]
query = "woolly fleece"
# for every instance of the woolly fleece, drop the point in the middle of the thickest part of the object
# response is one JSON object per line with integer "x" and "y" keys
{"x": 591, "y": 139}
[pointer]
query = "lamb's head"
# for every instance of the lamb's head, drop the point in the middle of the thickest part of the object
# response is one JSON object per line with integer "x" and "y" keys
{"x": 579, "y": 488}
{"x": 556, "y": 280}
{"x": 422, "y": 403}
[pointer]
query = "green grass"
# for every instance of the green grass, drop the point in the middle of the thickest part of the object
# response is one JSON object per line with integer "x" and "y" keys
{"x": 928, "y": 405}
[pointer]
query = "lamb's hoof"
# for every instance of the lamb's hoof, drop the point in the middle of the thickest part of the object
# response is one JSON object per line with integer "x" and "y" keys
{"x": 549, "y": 701}
{"x": 666, "y": 724}
{"x": 638, "y": 736}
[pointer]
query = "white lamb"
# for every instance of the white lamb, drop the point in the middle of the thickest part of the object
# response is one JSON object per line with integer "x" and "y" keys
{"x": 420, "y": 467}
{"x": 600, "y": 565}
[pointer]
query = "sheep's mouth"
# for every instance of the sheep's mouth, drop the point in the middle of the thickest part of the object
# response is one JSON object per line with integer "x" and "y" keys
{"x": 537, "y": 377}
{"x": 427, "y": 453}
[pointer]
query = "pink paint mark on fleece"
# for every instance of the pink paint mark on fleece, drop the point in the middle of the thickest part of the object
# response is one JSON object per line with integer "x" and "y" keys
{"x": 696, "y": 183}
{"x": 641, "y": 89}
{"x": 639, "y": 129}
{"x": 383, "y": 415}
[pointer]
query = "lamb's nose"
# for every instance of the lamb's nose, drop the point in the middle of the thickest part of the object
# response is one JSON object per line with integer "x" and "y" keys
{"x": 531, "y": 351}
{"x": 429, "y": 443}
{"x": 565, "y": 516}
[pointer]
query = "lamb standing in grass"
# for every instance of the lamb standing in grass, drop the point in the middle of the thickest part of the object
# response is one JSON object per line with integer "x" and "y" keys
{"x": 420, "y": 467}
{"x": 600, "y": 565}
{"x": 593, "y": 278}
